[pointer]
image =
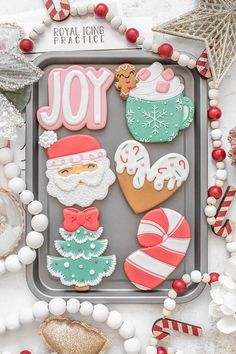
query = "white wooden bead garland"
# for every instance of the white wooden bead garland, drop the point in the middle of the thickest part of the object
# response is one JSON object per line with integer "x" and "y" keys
{"x": 34, "y": 240}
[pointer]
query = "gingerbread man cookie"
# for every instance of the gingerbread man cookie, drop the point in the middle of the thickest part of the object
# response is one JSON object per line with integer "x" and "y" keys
{"x": 126, "y": 79}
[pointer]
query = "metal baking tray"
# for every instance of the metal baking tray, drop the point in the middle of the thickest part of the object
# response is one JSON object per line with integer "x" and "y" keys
{"x": 189, "y": 200}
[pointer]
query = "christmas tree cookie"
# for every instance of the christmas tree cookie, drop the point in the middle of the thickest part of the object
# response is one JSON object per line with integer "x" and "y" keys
{"x": 81, "y": 263}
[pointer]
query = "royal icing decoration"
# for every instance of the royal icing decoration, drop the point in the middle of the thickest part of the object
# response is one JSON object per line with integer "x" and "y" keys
{"x": 78, "y": 169}
{"x": 81, "y": 263}
{"x": 182, "y": 327}
{"x": 126, "y": 79}
{"x": 164, "y": 235}
{"x": 156, "y": 109}
{"x": 143, "y": 185}
{"x": 56, "y": 15}
{"x": 77, "y": 98}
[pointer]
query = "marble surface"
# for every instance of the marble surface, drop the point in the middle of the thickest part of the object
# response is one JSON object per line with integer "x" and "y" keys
{"x": 14, "y": 292}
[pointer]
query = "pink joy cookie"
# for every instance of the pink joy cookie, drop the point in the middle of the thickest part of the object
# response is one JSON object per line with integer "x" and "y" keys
{"x": 164, "y": 235}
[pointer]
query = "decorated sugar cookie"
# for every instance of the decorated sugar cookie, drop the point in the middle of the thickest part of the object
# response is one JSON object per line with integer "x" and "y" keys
{"x": 164, "y": 235}
{"x": 126, "y": 79}
{"x": 81, "y": 263}
{"x": 77, "y": 168}
{"x": 145, "y": 186}
{"x": 156, "y": 109}
{"x": 77, "y": 98}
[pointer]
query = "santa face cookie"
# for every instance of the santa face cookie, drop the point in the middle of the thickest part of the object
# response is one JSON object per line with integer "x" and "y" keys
{"x": 146, "y": 186}
{"x": 81, "y": 263}
{"x": 77, "y": 168}
{"x": 164, "y": 235}
{"x": 77, "y": 98}
{"x": 156, "y": 109}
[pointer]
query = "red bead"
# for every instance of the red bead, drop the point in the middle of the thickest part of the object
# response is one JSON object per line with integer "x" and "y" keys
{"x": 25, "y": 352}
{"x": 179, "y": 286}
{"x": 101, "y": 10}
{"x": 165, "y": 50}
{"x": 161, "y": 350}
{"x": 26, "y": 45}
{"x": 214, "y": 113}
{"x": 131, "y": 35}
{"x": 218, "y": 154}
{"x": 214, "y": 277}
{"x": 215, "y": 191}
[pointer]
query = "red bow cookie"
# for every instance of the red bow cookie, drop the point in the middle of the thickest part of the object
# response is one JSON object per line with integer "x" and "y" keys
{"x": 88, "y": 218}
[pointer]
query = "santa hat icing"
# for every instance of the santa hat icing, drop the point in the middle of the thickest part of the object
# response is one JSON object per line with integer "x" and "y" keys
{"x": 70, "y": 150}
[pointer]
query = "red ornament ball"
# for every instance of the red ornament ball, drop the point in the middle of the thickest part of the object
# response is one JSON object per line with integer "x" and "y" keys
{"x": 214, "y": 113}
{"x": 215, "y": 191}
{"x": 161, "y": 350}
{"x": 179, "y": 286}
{"x": 101, "y": 10}
{"x": 132, "y": 35}
{"x": 214, "y": 277}
{"x": 26, "y": 45}
{"x": 25, "y": 352}
{"x": 165, "y": 50}
{"x": 218, "y": 154}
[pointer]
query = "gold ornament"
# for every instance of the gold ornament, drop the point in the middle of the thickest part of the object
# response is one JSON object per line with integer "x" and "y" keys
{"x": 214, "y": 22}
{"x": 65, "y": 336}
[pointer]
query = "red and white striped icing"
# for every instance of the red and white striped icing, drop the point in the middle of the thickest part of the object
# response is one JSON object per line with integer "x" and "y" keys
{"x": 164, "y": 235}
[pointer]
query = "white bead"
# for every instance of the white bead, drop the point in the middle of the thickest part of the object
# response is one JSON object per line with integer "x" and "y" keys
{"x": 153, "y": 341}
{"x": 109, "y": 16}
{"x": 116, "y": 22}
{"x": 3, "y": 143}
{"x": 196, "y": 276}
{"x": 82, "y": 9}
{"x": 34, "y": 239}
{"x": 170, "y": 350}
{"x": 169, "y": 304}
{"x": 2, "y": 267}
{"x": 12, "y": 321}
{"x": 100, "y": 313}
{"x": 175, "y": 56}
{"x": 57, "y": 306}
{"x": 192, "y": 64}
{"x": 2, "y": 326}
{"x": 183, "y": 60}
{"x": 217, "y": 143}
{"x": 39, "y": 222}
{"x": 122, "y": 29}
{"x": 166, "y": 313}
{"x": 39, "y": 29}
{"x": 215, "y": 124}
{"x": 33, "y": 35}
{"x": 216, "y": 134}
{"x": 214, "y": 103}
{"x": 47, "y": 21}
{"x": 186, "y": 278}
{"x": 26, "y": 255}
{"x": 26, "y": 197}
{"x": 86, "y": 308}
{"x": 231, "y": 247}
{"x": 214, "y": 94}
{"x": 73, "y": 11}
{"x": 140, "y": 40}
{"x": 210, "y": 210}
{"x": 26, "y": 316}
{"x": 91, "y": 8}
{"x": 155, "y": 47}
{"x": 211, "y": 201}
{"x": 114, "y": 320}
{"x": 220, "y": 165}
{"x": 229, "y": 238}
{"x": 73, "y": 306}
{"x": 35, "y": 207}
{"x": 151, "y": 350}
{"x": 132, "y": 346}
{"x": 12, "y": 170}
{"x": 147, "y": 44}
{"x": 212, "y": 85}
{"x": 219, "y": 183}
{"x": 40, "y": 310}
{"x": 127, "y": 330}
{"x": 206, "y": 278}
{"x": 6, "y": 155}
{"x": 12, "y": 263}
{"x": 172, "y": 294}
{"x": 222, "y": 175}
{"x": 17, "y": 185}
{"x": 211, "y": 221}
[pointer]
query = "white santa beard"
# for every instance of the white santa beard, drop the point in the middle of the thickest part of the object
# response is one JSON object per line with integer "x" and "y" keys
{"x": 94, "y": 187}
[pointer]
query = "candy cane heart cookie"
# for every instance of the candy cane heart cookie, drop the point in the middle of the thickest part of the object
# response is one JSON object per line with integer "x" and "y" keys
{"x": 164, "y": 235}
{"x": 144, "y": 186}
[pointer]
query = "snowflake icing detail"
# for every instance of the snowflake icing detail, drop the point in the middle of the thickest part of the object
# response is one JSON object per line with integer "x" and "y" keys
{"x": 155, "y": 119}
{"x": 179, "y": 106}
{"x": 130, "y": 116}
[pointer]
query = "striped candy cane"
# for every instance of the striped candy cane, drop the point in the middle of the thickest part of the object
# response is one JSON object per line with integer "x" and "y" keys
{"x": 202, "y": 66}
{"x": 58, "y": 15}
{"x": 178, "y": 326}
{"x": 221, "y": 228}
